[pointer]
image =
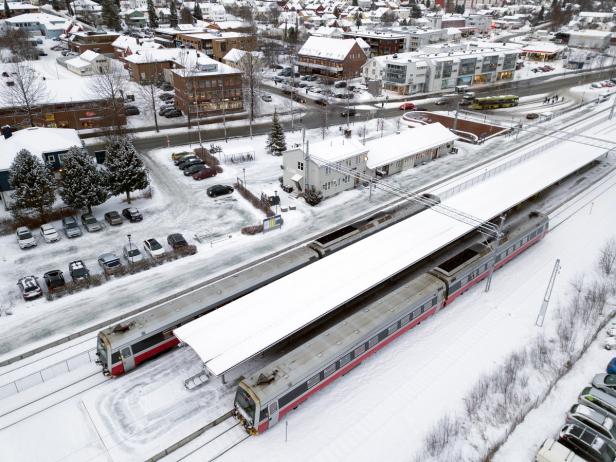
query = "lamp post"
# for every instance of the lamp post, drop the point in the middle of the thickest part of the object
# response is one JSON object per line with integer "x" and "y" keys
{"x": 130, "y": 257}
{"x": 196, "y": 103}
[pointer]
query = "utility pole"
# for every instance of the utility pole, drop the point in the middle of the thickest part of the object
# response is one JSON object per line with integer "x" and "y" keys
{"x": 495, "y": 245}
{"x": 548, "y": 294}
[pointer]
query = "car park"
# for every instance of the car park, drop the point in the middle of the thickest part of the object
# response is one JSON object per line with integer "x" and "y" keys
{"x": 599, "y": 421}
{"x": 219, "y": 190}
{"x": 585, "y": 442}
{"x": 132, "y": 214}
{"x": 553, "y": 451}
{"x": 113, "y": 218}
{"x": 78, "y": 271}
{"x": 49, "y": 233}
{"x": 25, "y": 239}
{"x": 605, "y": 382}
{"x": 29, "y": 288}
{"x": 204, "y": 173}
{"x": 176, "y": 241}
{"x": 349, "y": 113}
{"x": 54, "y": 280}
{"x": 132, "y": 254}
{"x": 408, "y": 106}
{"x": 90, "y": 223}
{"x": 194, "y": 168}
{"x": 70, "y": 227}
{"x": 153, "y": 248}
{"x": 266, "y": 98}
{"x": 110, "y": 263}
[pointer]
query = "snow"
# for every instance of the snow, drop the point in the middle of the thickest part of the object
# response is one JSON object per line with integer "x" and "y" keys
{"x": 325, "y": 47}
{"x": 384, "y": 151}
{"x": 336, "y": 149}
{"x": 341, "y": 276}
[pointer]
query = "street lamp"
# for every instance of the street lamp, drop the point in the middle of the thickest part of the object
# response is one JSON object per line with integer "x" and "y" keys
{"x": 130, "y": 256}
{"x": 196, "y": 103}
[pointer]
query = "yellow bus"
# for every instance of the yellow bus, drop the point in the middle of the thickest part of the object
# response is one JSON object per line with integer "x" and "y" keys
{"x": 494, "y": 102}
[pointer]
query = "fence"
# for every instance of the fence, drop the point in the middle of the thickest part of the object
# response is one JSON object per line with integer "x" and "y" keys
{"x": 48, "y": 373}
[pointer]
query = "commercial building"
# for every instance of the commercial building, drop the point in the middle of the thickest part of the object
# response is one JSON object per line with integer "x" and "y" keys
{"x": 43, "y": 23}
{"x": 217, "y": 44}
{"x": 17, "y": 8}
{"x": 593, "y": 39}
{"x": 330, "y": 58}
{"x": 399, "y": 39}
{"x": 101, "y": 42}
{"x": 443, "y": 67}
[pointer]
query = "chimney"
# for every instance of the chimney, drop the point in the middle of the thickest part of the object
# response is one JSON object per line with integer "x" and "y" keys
{"x": 7, "y": 132}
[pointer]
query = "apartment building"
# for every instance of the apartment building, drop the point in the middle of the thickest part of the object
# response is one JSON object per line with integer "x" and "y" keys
{"x": 217, "y": 44}
{"x": 330, "y": 58}
{"x": 100, "y": 42}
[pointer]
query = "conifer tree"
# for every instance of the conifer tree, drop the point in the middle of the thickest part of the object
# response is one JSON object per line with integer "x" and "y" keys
{"x": 276, "y": 143}
{"x": 7, "y": 10}
{"x": 82, "y": 183}
{"x": 110, "y": 15}
{"x": 33, "y": 184}
{"x": 125, "y": 170}
{"x": 152, "y": 18}
{"x": 55, "y": 4}
{"x": 69, "y": 7}
{"x": 197, "y": 12}
{"x": 173, "y": 14}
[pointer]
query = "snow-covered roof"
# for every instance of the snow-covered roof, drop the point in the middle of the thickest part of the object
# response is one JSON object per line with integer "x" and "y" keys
{"x": 89, "y": 55}
{"x": 235, "y": 55}
{"x": 78, "y": 62}
{"x": 384, "y": 151}
{"x": 335, "y": 150}
{"x": 590, "y": 33}
{"x": 37, "y": 140}
{"x": 326, "y": 47}
{"x": 251, "y": 324}
{"x": 21, "y": 6}
{"x": 40, "y": 18}
{"x": 542, "y": 47}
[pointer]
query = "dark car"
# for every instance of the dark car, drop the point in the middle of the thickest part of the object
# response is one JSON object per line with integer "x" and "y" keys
{"x": 204, "y": 173}
{"x": 532, "y": 115}
{"x": 132, "y": 214}
{"x": 131, "y": 110}
{"x": 185, "y": 160}
{"x": 350, "y": 113}
{"x": 321, "y": 102}
{"x": 340, "y": 84}
{"x": 298, "y": 98}
{"x": 166, "y": 86}
{"x": 192, "y": 169}
{"x": 90, "y": 223}
{"x": 191, "y": 163}
{"x": 176, "y": 241}
{"x": 78, "y": 271}
{"x": 166, "y": 96}
{"x": 173, "y": 114}
{"x": 219, "y": 190}
{"x": 54, "y": 280}
{"x": 70, "y": 226}
{"x": 113, "y": 218}
{"x": 165, "y": 109}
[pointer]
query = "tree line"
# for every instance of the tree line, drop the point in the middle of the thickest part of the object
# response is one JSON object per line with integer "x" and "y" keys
{"x": 82, "y": 184}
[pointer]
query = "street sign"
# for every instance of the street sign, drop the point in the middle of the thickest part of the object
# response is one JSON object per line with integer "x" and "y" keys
{"x": 271, "y": 223}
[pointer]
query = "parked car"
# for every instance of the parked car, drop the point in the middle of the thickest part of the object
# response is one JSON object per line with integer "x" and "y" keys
{"x": 204, "y": 173}
{"x": 25, "y": 239}
{"x": 266, "y": 98}
{"x": 54, "y": 280}
{"x": 321, "y": 102}
{"x": 407, "y": 106}
{"x": 165, "y": 109}
{"x": 166, "y": 86}
{"x": 348, "y": 112}
{"x": 611, "y": 366}
{"x": 113, "y": 218}
{"x": 610, "y": 343}
{"x": 132, "y": 214}
{"x": 132, "y": 254}
{"x": 131, "y": 110}
{"x": 586, "y": 443}
{"x": 49, "y": 233}
{"x": 110, "y": 263}
{"x": 71, "y": 228}
{"x": 605, "y": 382}
{"x": 166, "y": 96}
{"x": 78, "y": 271}
{"x": 553, "y": 451}
{"x": 219, "y": 190}
{"x": 598, "y": 399}
{"x": 532, "y": 116}
{"x": 29, "y": 287}
{"x": 173, "y": 114}
{"x": 181, "y": 160}
{"x": 177, "y": 156}
{"x": 154, "y": 248}
{"x": 340, "y": 84}
{"x": 601, "y": 422}
{"x": 176, "y": 241}
{"x": 192, "y": 163}
{"x": 90, "y": 223}
{"x": 194, "y": 168}
{"x": 278, "y": 79}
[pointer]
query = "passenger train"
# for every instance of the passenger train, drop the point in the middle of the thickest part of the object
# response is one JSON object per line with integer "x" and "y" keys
{"x": 124, "y": 346}
{"x": 266, "y": 396}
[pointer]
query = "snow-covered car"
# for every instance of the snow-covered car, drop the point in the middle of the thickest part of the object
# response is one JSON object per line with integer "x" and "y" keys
{"x": 25, "y": 238}
{"x": 132, "y": 214}
{"x": 78, "y": 271}
{"x": 154, "y": 248}
{"x": 110, "y": 263}
{"x": 49, "y": 233}
{"x": 612, "y": 331}
{"x": 29, "y": 287}
{"x": 132, "y": 253}
{"x": 70, "y": 226}
{"x": 610, "y": 343}
{"x": 90, "y": 223}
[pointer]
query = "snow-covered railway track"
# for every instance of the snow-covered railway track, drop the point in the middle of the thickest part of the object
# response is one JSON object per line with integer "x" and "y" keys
{"x": 217, "y": 446}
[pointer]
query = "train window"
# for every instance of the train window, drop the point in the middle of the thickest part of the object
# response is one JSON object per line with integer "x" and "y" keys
{"x": 344, "y": 360}
{"x": 297, "y": 391}
{"x": 455, "y": 286}
{"x": 469, "y": 278}
{"x": 392, "y": 329}
{"x": 263, "y": 414}
{"x": 148, "y": 342}
{"x": 312, "y": 381}
{"x": 359, "y": 351}
{"x": 168, "y": 334}
{"x": 373, "y": 341}
{"x": 329, "y": 370}
{"x": 115, "y": 357}
{"x": 126, "y": 353}
{"x": 273, "y": 407}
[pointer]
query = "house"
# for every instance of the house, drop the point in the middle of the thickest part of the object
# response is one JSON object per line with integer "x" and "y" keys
{"x": 89, "y": 63}
{"x": 17, "y": 8}
{"x": 49, "y": 144}
{"x": 217, "y": 44}
{"x": 408, "y": 148}
{"x": 238, "y": 58}
{"x": 330, "y": 58}
{"x": 43, "y": 23}
{"x": 135, "y": 18}
{"x": 311, "y": 167}
{"x": 381, "y": 43}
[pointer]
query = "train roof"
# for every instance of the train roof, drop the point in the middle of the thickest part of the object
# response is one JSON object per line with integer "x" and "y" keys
{"x": 251, "y": 324}
{"x": 330, "y": 345}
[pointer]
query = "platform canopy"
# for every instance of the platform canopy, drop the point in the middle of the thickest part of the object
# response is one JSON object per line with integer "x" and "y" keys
{"x": 253, "y": 323}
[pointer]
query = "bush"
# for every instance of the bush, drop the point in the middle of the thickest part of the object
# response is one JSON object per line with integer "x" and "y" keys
{"x": 207, "y": 157}
{"x": 312, "y": 196}
{"x": 8, "y": 226}
{"x": 254, "y": 200}
{"x": 252, "y": 230}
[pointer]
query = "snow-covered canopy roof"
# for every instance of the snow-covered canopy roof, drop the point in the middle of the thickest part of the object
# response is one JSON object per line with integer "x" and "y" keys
{"x": 37, "y": 140}
{"x": 235, "y": 55}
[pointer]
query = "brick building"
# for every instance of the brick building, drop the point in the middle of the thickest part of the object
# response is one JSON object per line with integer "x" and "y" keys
{"x": 217, "y": 44}
{"x": 381, "y": 43}
{"x": 101, "y": 42}
{"x": 333, "y": 59}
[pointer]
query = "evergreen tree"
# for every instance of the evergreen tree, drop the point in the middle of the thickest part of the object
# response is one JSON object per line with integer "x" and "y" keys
{"x": 276, "y": 143}
{"x": 152, "y": 18}
{"x": 173, "y": 14}
{"x": 55, "y": 4}
{"x": 82, "y": 184}
{"x": 185, "y": 16}
{"x": 33, "y": 184}
{"x": 125, "y": 169}
{"x": 358, "y": 19}
{"x": 7, "y": 10}
{"x": 415, "y": 12}
{"x": 110, "y": 15}
{"x": 69, "y": 7}
{"x": 197, "y": 12}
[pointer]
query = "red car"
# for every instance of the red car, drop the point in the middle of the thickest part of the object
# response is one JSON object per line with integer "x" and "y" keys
{"x": 204, "y": 173}
{"x": 407, "y": 107}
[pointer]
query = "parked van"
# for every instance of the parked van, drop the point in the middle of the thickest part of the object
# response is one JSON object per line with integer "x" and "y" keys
{"x": 553, "y": 451}
{"x": 597, "y": 399}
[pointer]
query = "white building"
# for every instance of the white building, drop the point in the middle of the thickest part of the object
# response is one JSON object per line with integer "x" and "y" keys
{"x": 595, "y": 39}
{"x": 89, "y": 63}
{"x": 303, "y": 170}
{"x": 47, "y": 24}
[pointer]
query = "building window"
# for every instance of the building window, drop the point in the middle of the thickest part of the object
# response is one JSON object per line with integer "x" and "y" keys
{"x": 300, "y": 166}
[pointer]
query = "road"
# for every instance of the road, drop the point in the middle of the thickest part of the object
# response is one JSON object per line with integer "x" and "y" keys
{"x": 312, "y": 113}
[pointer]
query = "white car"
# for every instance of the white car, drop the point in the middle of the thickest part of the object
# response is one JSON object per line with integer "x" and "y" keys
{"x": 610, "y": 343}
{"x": 25, "y": 238}
{"x": 153, "y": 248}
{"x": 132, "y": 254}
{"x": 49, "y": 233}
{"x": 612, "y": 331}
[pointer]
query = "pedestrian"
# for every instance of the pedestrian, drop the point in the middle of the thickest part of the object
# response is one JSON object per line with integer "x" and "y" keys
{"x": 562, "y": 99}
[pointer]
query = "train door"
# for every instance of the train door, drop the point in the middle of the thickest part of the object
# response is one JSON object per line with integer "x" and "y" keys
{"x": 128, "y": 360}
{"x": 273, "y": 413}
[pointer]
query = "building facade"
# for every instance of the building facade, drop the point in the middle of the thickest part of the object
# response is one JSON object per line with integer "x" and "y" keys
{"x": 101, "y": 42}
{"x": 217, "y": 45}
{"x": 330, "y": 58}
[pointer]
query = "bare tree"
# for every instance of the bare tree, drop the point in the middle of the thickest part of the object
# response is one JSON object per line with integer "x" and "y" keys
{"x": 27, "y": 91}
{"x": 607, "y": 258}
{"x": 252, "y": 70}
{"x": 109, "y": 84}
{"x": 148, "y": 89}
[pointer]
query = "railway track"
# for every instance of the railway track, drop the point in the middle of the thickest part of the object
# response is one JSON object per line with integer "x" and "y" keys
{"x": 217, "y": 446}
